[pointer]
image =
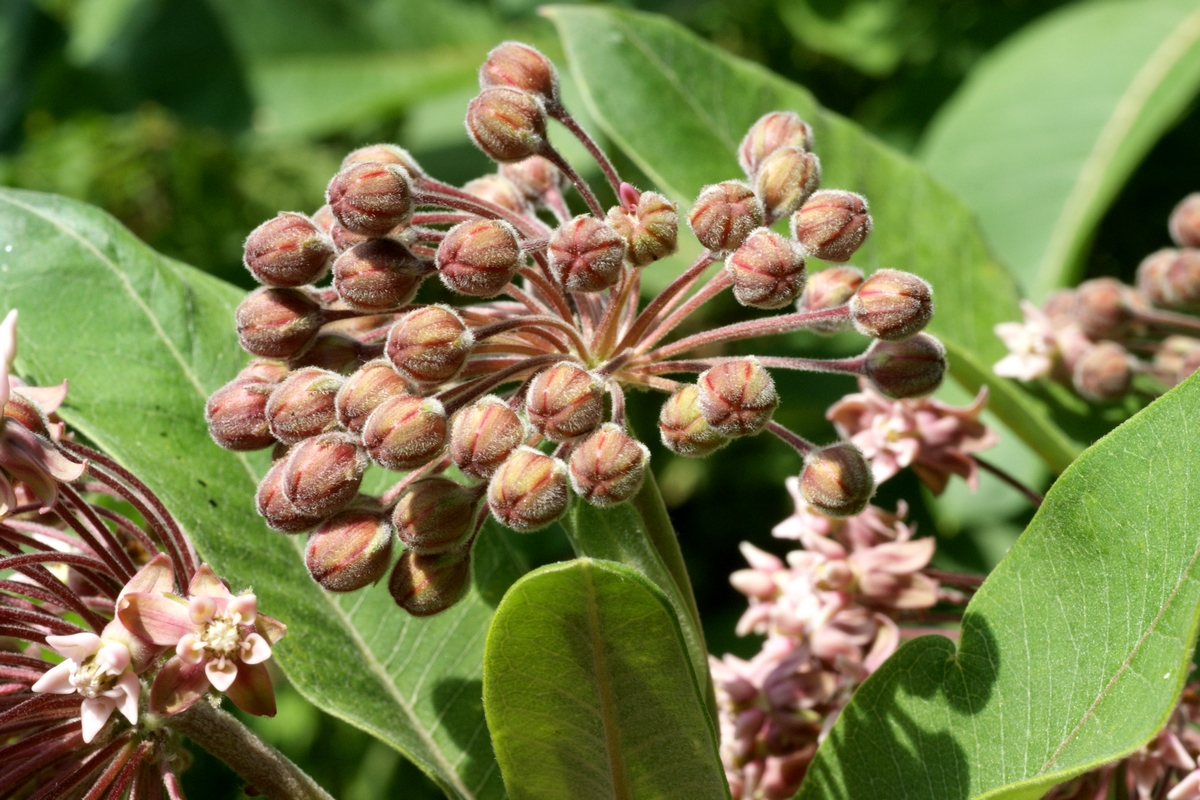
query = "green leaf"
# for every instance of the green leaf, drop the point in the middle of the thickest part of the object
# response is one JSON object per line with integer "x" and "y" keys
{"x": 143, "y": 340}
{"x": 589, "y": 692}
{"x": 679, "y": 107}
{"x": 1074, "y": 651}
{"x": 1043, "y": 135}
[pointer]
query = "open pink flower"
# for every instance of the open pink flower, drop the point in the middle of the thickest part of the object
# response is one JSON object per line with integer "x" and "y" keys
{"x": 220, "y": 640}
{"x": 1032, "y": 345}
{"x": 99, "y": 669}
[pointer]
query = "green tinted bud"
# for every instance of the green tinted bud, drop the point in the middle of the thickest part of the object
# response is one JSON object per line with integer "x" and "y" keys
{"x": 288, "y": 250}
{"x": 507, "y": 124}
{"x": 479, "y": 257}
{"x": 832, "y": 224}
{"x": 785, "y": 179}
{"x": 278, "y": 323}
{"x": 1102, "y": 309}
{"x": 892, "y": 305}
{"x": 405, "y": 432}
{"x": 1103, "y": 373}
{"x": 650, "y": 228}
{"x": 429, "y": 345}
{"x": 1178, "y": 357}
{"x": 331, "y": 350}
{"x": 498, "y": 190}
{"x": 529, "y": 490}
{"x": 609, "y": 466}
{"x": 349, "y": 551}
{"x": 738, "y": 397}
{"x": 519, "y": 66}
{"x": 830, "y": 288}
{"x": 586, "y": 255}
{"x": 322, "y": 474}
{"x": 1184, "y": 223}
{"x": 236, "y": 415}
{"x": 767, "y": 270}
{"x": 724, "y": 215}
{"x": 363, "y": 391}
{"x": 771, "y": 132}
{"x": 837, "y": 480}
{"x": 370, "y": 198}
{"x": 384, "y": 154}
{"x": 483, "y": 435}
{"x": 279, "y": 512}
{"x": 378, "y": 275}
{"x": 911, "y": 368}
{"x": 436, "y": 514}
{"x": 565, "y": 401}
{"x": 535, "y": 178}
{"x": 426, "y": 585}
{"x": 684, "y": 429}
{"x": 303, "y": 405}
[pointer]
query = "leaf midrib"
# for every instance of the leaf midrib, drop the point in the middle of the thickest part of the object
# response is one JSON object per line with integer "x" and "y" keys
{"x": 376, "y": 668}
{"x": 604, "y": 689}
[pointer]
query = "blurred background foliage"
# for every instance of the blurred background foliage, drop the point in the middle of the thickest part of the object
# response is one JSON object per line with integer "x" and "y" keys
{"x": 194, "y": 120}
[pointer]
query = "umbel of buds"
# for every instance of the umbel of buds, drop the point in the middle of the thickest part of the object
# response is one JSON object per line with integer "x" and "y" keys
{"x": 506, "y": 402}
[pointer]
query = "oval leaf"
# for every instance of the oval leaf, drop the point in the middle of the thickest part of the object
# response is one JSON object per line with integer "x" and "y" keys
{"x": 679, "y": 107}
{"x": 143, "y": 340}
{"x": 1043, "y": 135}
{"x": 1074, "y": 651}
{"x": 589, "y": 692}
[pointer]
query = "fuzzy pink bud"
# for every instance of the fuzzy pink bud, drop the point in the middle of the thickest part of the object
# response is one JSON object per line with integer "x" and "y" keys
{"x": 435, "y": 515}
{"x": 370, "y": 198}
{"x": 277, "y": 323}
{"x": 427, "y": 585}
{"x": 363, "y": 391}
{"x": 519, "y": 66}
{"x": 911, "y": 368}
{"x": 384, "y": 154}
{"x": 837, "y": 480}
{"x": 830, "y": 288}
{"x": 498, "y": 190}
{"x": 724, "y": 215}
{"x": 483, "y": 435}
{"x": 770, "y": 133}
{"x": 785, "y": 179}
{"x": 430, "y": 345}
{"x": 349, "y": 551}
{"x": 1184, "y": 223}
{"x": 479, "y": 257}
{"x": 684, "y": 430}
{"x": 323, "y": 473}
{"x": 279, "y": 512}
{"x": 586, "y": 255}
{"x": 507, "y": 124}
{"x": 737, "y": 397}
{"x": 892, "y": 305}
{"x": 405, "y": 432}
{"x": 378, "y": 275}
{"x": 565, "y": 401}
{"x": 529, "y": 491}
{"x": 1101, "y": 308}
{"x": 832, "y": 224}
{"x": 609, "y": 466}
{"x": 767, "y": 270}
{"x": 649, "y": 226}
{"x": 303, "y": 405}
{"x": 236, "y": 415}
{"x": 1103, "y": 373}
{"x": 288, "y": 250}
{"x": 535, "y": 178}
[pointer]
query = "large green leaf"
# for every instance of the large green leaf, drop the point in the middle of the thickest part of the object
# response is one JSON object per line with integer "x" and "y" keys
{"x": 143, "y": 340}
{"x": 1045, "y": 132}
{"x": 679, "y": 106}
{"x": 589, "y": 693}
{"x": 1073, "y": 652}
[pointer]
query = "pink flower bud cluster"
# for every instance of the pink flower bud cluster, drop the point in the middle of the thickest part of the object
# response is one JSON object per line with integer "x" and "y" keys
{"x": 829, "y": 612}
{"x": 104, "y": 619}
{"x": 1107, "y": 340}
{"x": 520, "y": 383}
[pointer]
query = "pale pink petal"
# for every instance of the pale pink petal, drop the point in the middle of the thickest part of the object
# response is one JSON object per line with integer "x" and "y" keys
{"x": 887, "y": 639}
{"x": 57, "y": 680}
{"x": 157, "y": 577}
{"x": 177, "y": 687}
{"x": 753, "y": 583}
{"x": 93, "y": 713}
{"x": 201, "y": 608}
{"x": 921, "y": 592}
{"x": 158, "y": 618}
{"x": 190, "y": 649}
{"x": 75, "y": 646}
{"x": 221, "y": 673}
{"x": 115, "y": 656}
{"x": 269, "y": 628}
{"x": 252, "y": 691}
{"x": 759, "y": 559}
{"x": 1174, "y": 753}
{"x": 245, "y": 606}
{"x": 205, "y": 581}
{"x": 127, "y": 690}
{"x": 897, "y": 558}
{"x": 47, "y": 398}
{"x": 1187, "y": 789}
{"x": 255, "y": 649}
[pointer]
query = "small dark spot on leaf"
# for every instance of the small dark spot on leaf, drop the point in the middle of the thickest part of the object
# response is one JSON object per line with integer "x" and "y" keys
{"x": 201, "y": 482}
{"x": 212, "y": 502}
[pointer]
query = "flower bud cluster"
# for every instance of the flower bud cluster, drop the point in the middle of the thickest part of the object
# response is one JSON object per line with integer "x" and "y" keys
{"x": 1108, "y": 340}
{"x": 520, "y": 383}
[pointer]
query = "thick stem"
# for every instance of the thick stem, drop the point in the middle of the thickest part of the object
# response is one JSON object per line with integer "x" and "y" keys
{"x": 262, "y": 766}
{"x": 770, "y": 326}
{"x": 796, "y": 441}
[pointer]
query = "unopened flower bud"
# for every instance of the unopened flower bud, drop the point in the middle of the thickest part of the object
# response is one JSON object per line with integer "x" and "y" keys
{"x": 498, "y": 190}
{"x": 609, "y": 466}
{"x": 483, "y": 435}
{"x": 363, "y": 391}
{"x": 586, "y": 254}
{"x": 405, "y": 432}
{"x": 323, "y": 219}
{"x": 330, "y": 350}
{"x": 349, "y": 551}
{"x": 429, "y": 345}
{"x": 1103, "y": 373}
{"x": 322, "y": 474}
{"x": 384, "y": 154}
{"x": 303, "y": 405}
{"x": 837, "y": 480}
{"x": 507, "y": 124}
{"x": 910, "y": 368}
{"x": 435, "y": 515}
{"x": 650, "y": 228}
{"x": 832, "y": 224}
{"x": 770, "y": 133}
{"x": 767, "y": 270}
{"x": 829, "y": 288}
{"x": 529, "y": 490}
{"x": 236, "y": 415}
{"x": 785, "y": 179}
{"x": 426, "y": 585}
{"x": 1178, "y": 357}
{"x": 1182, "y": 280}
{"x": 1152, "y": 277}
{"x": 725, "y": 214}
{"x": 479, "y": 257}
{"x": 536, "y": 177}
{"x": 279, "y": 512}
{"x": 892, "y": 305}
{"x": 343, "y": 239}
{"x": 565, "y": 401}
{"x": 378, "y": 275}
{"x": 371, "y": 198}
{"x": 287, "y": 251}
{"x": 684, "y": 429}
{"x": 1101, "y": 310}
{"x": 277, "y": 323}
{"x": 522, "y": 67}
{"x": 264, "y": 370}
{"x": 1184, "y": 223}
{"x": 737, "y": 397}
